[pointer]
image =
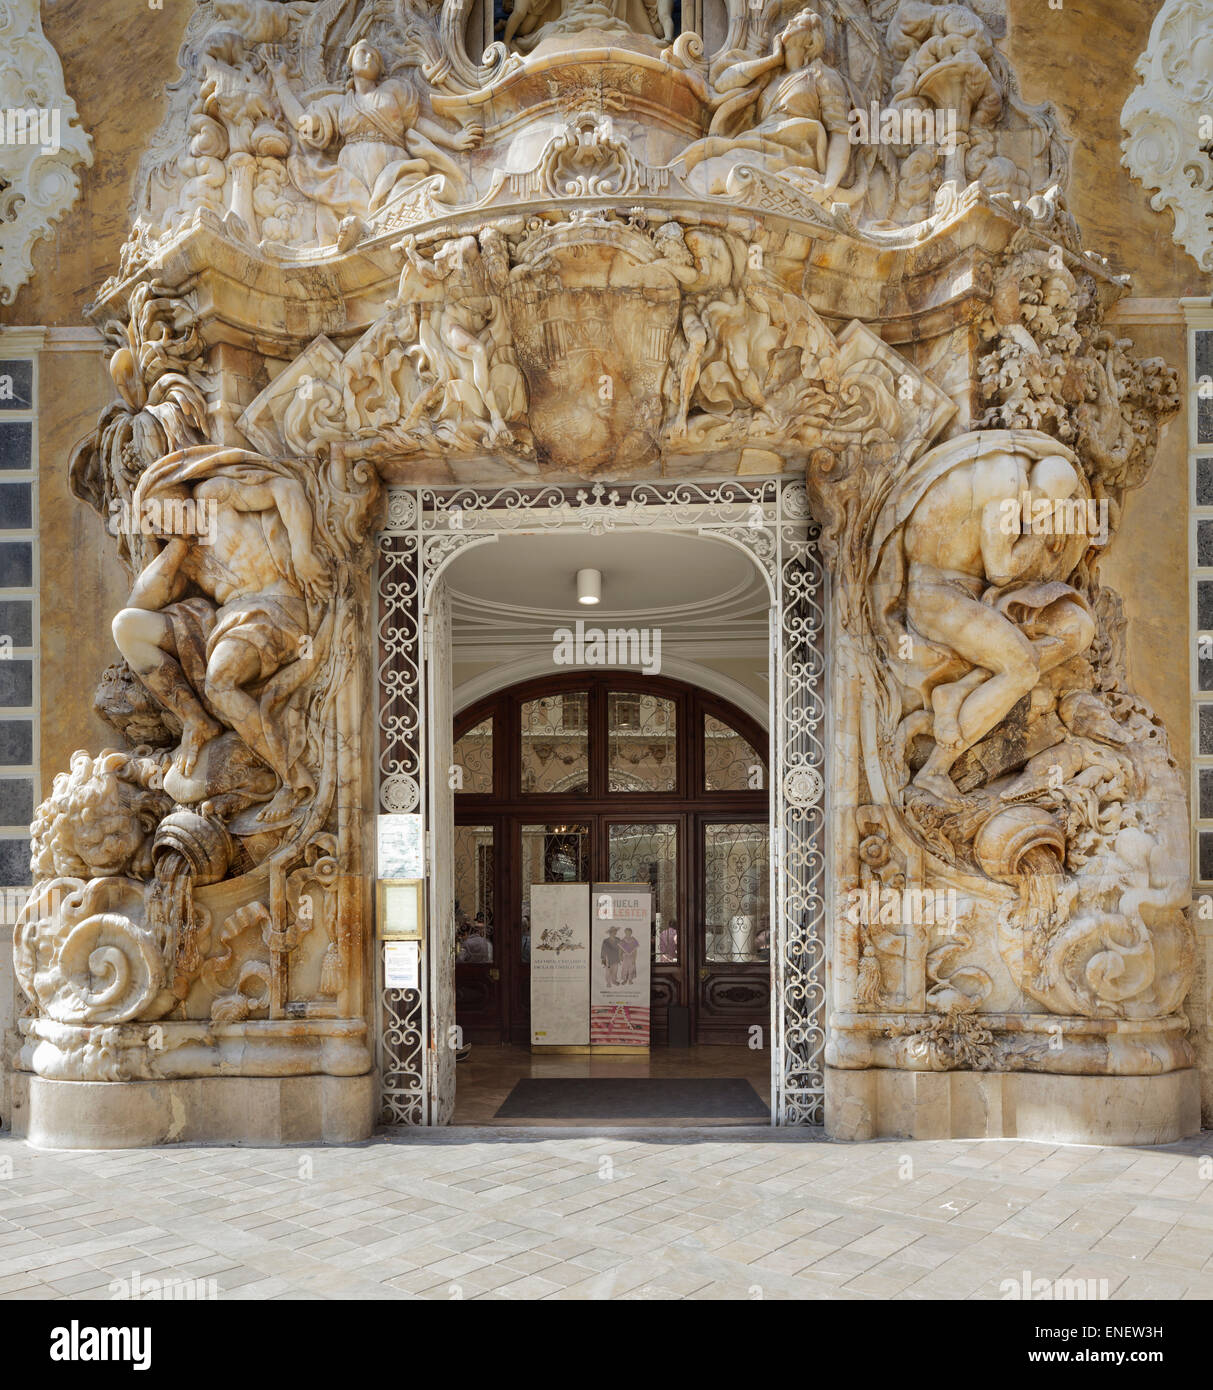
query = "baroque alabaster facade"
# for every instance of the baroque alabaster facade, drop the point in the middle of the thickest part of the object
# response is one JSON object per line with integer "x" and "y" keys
{"x": 386, "y": 256}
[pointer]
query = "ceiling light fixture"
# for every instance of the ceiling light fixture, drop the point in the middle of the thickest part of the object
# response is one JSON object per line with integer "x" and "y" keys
{"x": 589, "y": 586}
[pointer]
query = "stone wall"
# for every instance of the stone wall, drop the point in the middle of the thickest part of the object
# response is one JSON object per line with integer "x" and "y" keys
{"x": 11, "y": 1000}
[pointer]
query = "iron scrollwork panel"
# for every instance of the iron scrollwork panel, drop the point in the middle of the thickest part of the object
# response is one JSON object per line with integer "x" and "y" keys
{"x": 399, "y": 656}
{"x": 799, "y": 791}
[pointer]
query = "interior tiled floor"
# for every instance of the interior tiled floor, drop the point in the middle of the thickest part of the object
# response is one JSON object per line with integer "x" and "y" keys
{"x": 487, "y": 1077}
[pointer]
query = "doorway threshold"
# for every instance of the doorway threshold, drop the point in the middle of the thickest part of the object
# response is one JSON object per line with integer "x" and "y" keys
{"x": 694, "y": 1088}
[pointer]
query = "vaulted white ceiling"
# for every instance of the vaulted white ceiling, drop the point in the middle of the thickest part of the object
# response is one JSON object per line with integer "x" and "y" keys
{"x": 707, "y": 598}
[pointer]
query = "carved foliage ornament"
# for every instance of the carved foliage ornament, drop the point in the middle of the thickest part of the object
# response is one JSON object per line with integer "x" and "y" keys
{"x": 41, "y": 146}
{"x": 1169, "y": 145}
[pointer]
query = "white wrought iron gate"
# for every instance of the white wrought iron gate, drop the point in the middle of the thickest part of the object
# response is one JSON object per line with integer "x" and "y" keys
{"x": 426, "y": 527}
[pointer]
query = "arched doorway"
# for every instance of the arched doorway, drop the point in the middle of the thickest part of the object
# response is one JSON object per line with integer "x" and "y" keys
{"x": 615, "y": 777}
{"x": 441, "y": 630}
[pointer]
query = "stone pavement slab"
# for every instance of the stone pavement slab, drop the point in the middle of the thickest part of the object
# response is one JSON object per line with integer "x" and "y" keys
{"x": 742, "y": 1213}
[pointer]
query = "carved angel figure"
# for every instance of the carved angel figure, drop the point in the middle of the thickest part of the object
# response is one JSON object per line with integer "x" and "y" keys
{"x": 382, "y": 137}
{"x": 785, "y": 113}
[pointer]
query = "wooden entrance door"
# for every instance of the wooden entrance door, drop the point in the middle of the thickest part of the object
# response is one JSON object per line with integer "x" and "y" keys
{"x": 620, "y": 778}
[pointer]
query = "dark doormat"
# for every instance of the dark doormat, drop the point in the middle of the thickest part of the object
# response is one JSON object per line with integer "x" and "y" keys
{"x": 633, "y": 1098}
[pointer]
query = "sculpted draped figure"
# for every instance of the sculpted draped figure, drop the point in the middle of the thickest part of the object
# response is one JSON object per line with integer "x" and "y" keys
{"x": 220, "y": 633}
{"x": 531, "y": 21}
{"x": 736, "y": 326}
{"x": 785, "y": 113}
{"x": 440, "y": 369}
{"x": 383, "y": 140}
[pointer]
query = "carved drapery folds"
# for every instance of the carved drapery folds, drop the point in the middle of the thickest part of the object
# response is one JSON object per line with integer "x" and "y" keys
{"x": 594, "y": 343}
{"x": 196, "y": 874}
{"x": 325, "y": 125}
{"x": 363, "y": 251}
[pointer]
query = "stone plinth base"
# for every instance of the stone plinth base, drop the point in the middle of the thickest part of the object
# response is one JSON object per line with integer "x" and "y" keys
{"x": 194, "y": 1110}
{"x": 879, "y": 1103}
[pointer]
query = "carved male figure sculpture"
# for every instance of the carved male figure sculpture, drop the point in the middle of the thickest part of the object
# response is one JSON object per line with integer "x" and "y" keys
{"x": 989, "y": 595}
{"x": 714, "y": 316}
{"x": 206, "y": 624}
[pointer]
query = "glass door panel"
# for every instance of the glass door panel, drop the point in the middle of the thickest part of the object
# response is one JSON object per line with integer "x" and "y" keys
{"x": 642, "y": 743}
{"x": 733, "y": 943}
{"x": 554, "y": 744}
{"x": 473, "y": 765}
{"x": 479, "y": 992}
{"x": 736, "y": 891}
{"x": 649, "y": 852}
{"x": 550, "y": 854}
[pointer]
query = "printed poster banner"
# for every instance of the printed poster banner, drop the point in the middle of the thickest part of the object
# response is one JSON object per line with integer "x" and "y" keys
{"x": 402, "y": 965}
{"x": 620, "y": 928}
{"x": 560, "y": 964}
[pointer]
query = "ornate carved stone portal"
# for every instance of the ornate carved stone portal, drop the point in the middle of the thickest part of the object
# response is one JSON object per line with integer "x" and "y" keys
{"x": 830, "y": 243}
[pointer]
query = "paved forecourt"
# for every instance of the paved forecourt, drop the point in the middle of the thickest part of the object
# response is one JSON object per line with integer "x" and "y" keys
{"x": 482, "y": 1213}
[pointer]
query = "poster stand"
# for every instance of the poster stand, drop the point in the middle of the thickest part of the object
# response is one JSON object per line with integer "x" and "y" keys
{"x": 560, "y": 967}
{"x": 621, "y": 919}
{"x": 590, "y": 968}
